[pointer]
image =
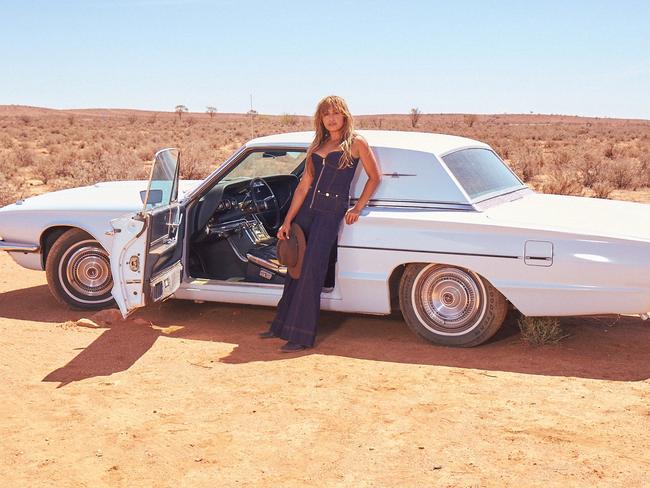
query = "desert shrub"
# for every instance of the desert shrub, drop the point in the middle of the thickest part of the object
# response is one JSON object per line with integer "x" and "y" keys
{"x": 146, "y": 152}
{"x": 644, "y": 171}
{"x": 24, "y": 157}
{"x": 6, "y": 141}
{"x": 289, "y": 120}
{"x": 193, "y": 162}
{"x": 57, "y": 166}
{"x": 502, "y": 148}
{"x": 527, "y": 162}
{"x": 623, "y": 174}
{"x": 562, "y": 159}
{"x": 590, "y": 169}
{"x": 602, "y": 189}
{"x": 538, "y": 331}
{"x": 561, "y": 182}
{"x": 9, "y": 162}
{"x": 7, "y": 193}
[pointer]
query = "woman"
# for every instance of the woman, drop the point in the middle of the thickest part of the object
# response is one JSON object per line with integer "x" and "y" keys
{"x": 319, "y": 204}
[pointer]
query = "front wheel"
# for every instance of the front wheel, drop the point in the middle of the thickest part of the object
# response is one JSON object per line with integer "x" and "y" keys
{"x": 78, "y": 271}
{"x": 449, "y": 305}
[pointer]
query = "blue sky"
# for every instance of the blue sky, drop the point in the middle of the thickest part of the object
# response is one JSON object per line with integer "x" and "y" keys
{"x": 563, "y": 57}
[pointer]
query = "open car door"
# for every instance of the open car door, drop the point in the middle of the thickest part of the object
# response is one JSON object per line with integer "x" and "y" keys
{"x": 147, "y": 246}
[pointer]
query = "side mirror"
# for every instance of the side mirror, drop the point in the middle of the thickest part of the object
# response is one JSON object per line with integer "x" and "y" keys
{"x": 155, "y": 196}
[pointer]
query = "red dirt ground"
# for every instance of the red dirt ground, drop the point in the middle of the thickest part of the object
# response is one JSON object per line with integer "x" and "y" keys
{"x": 185, "y": 394}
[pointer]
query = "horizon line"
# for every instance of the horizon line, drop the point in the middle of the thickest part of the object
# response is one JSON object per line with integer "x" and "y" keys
{"x": 405, "y": 114}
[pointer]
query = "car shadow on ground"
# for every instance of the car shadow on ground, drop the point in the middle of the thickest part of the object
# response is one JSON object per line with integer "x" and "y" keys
{"x": 608, "y": 348}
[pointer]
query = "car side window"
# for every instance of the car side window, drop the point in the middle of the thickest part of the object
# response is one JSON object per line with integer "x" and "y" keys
{"x": 266, "y": 163}
{"x": 480, "y": 172}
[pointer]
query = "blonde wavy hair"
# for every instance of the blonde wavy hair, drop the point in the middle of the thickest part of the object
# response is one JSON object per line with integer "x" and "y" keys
{"x": 322, "y": 134}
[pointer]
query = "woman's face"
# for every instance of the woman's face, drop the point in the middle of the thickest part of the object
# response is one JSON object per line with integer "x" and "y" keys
{"x": 333, "y": 120}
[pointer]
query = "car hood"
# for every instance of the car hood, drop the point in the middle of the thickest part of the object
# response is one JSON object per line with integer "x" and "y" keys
{"x": 122, "y": 196}
{"x": 579, "y": 215}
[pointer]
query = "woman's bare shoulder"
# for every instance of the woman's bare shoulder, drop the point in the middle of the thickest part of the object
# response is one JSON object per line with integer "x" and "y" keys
{"x": 359, "y": 144}
{"x": 359, "y": 139}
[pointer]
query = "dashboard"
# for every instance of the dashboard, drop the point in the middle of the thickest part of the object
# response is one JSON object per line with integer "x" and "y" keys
{"x": 227, "y": 207}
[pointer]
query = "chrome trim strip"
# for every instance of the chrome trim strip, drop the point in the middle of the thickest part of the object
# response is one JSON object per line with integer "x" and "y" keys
{"x": 505, "y": 197}
{"x": 432, "y": 252}
{"x": 17, "y": 247}
{"x": 417, "y": 204}
{"x": 281, "y": 269}
{"x": 195, "y": 284}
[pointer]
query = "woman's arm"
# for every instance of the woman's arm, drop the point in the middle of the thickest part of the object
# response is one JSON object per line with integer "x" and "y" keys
{"x": 297, "y": 199}
{"x": 374, "y": 177}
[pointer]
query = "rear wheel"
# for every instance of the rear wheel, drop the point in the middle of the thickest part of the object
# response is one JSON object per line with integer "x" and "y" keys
{"x": 78, "y": 271}
{"x": 450, "y": 305}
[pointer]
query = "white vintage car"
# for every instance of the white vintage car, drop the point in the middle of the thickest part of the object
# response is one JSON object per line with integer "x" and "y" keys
{"x": 450, "y": 237}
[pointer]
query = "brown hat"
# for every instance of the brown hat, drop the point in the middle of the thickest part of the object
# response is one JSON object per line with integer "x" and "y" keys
{"x": 291, "y": 251}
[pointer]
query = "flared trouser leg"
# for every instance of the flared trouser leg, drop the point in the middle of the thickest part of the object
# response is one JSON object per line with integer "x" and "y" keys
{"x": 298, "y": 311}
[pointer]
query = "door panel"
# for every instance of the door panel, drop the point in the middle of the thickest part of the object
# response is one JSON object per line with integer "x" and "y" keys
{"x": 163, "y": 269}
{"x": 146, "y": 256}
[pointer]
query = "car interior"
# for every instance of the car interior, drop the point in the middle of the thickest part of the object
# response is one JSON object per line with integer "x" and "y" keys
{"x": 232, "y": 228}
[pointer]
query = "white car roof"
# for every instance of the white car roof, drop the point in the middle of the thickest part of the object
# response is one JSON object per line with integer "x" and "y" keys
{"x": 438, "y": 144}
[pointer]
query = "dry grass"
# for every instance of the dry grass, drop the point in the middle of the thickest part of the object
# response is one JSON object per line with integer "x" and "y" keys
{"x": 43, "y": 150}
{"x": 538, "y": 331}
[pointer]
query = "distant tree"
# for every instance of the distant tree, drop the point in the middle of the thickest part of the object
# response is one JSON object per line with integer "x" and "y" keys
{"x": 211, "y": 111}
{"x": 470, "y": 119}
{"x": 415, "y": 116}
{"x": 179, "y": 110}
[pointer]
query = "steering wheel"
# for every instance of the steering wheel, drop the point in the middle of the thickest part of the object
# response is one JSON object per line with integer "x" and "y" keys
{"x": 264, "y": 200}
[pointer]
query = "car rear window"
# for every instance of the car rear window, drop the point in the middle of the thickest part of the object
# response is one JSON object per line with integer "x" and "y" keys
{"x": 480, "y": 172}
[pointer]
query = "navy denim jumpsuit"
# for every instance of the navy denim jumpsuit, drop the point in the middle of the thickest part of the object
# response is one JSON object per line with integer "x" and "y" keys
{"x": 319, "y": 216}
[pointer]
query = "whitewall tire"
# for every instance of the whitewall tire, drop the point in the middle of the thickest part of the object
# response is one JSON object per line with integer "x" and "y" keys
{"x": 449, "y": 305}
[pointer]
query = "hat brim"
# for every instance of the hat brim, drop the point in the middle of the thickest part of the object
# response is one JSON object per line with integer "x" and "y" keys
{"x": 297, "y": 232}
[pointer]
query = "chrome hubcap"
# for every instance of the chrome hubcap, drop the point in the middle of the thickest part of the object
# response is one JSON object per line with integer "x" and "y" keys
{"x": 448, "y": 300}
{"x": 88, "y": 271}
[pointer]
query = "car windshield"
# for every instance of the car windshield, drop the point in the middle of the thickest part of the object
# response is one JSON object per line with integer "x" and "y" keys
{"x": 481, "y": 173}
{"x": 266, "y": 163}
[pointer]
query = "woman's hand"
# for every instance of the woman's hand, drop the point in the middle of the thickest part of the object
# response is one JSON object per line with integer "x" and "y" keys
{"x": 352, "y": 215}
{"x": 283, "y": 231}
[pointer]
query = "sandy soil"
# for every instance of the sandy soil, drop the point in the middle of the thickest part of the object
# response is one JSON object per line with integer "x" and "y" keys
{"x": 185, "y": 395}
